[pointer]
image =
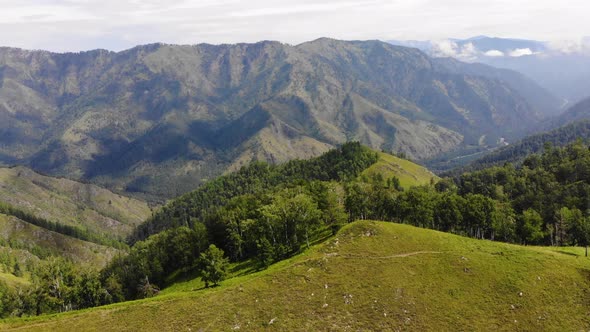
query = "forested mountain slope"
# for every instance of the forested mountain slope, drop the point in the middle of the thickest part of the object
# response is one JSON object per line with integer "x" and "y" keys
{"x": 44, "y": 219}
{"x": 515, "y": 153}
{"x": 66, "y": 202}
{"x": 162, "y": 119}
{"x": 25, "y": 248}
{"x": 41, "y": 243}
{"x": 542, "y": 99}
{"x": 256, "y": 180}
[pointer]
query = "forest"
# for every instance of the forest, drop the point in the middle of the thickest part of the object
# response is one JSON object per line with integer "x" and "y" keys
{"x": 265, "y": 213}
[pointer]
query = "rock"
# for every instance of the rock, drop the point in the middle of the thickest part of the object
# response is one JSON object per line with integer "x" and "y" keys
{"x": 348, "y": 299}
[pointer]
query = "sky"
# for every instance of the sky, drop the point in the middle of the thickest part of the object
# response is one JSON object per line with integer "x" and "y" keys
{"x": 77, "y": 25}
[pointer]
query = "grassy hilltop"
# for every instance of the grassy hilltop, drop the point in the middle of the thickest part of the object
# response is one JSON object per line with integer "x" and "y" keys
{"x": 408, "y": 173}
{"x": 371, "y": 276}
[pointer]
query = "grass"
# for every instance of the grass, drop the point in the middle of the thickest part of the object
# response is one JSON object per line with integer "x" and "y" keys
{"x": 29, "y": 236}
{"x": 12, "y": 280}
{"x": 408, "y": 173}
{"x": 371, "y": 276}
{"x": 71, "y": 203}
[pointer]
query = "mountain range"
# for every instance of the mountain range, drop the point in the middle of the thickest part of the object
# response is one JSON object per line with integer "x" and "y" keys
{"x": 561, "y": 68}
{"x": 158, "y": 120}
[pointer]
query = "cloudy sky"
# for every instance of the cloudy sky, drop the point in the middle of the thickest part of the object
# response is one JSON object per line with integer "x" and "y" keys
{"x": 73, "y": 25}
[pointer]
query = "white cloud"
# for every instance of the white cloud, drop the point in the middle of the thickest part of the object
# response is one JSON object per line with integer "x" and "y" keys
{"x": 297, "y": 9}
{"x": 571, "y": 46}
{"x": 449, "y": 48}
{"x": 494, "y": 53}
{"x": 520, "y": 52}
{"x": 445, "y": 48}
{"x": 34, "y": 14}
{"x": 468, "y": 52}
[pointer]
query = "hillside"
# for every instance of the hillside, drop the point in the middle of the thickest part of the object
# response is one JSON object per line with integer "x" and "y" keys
{"x": 261, "y": 214}
{"x": 408, "y": 173}
{"x": 159, "y": 120}
{"x": 371, "y": 276}
{"x": 558, "y": 130}
{"x": 257, "y": 180}
{"x": 542, "y": 99}
{"x": 63, "y": 201}
{"x": 577, "y": 112}
{"x": 43, "y": 218}
{"x": 518, "y": 151}
{"x": 24, "y": 247}
{"x": 340, "y": 166}
{"x": 41, "y": 242}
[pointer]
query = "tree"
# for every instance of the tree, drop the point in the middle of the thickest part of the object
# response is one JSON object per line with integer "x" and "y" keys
{"x": 447, "y": 215}
{"x": 146, "y": 289}
{"x": 265, "y": 253}
{"x": 445, "y": 185}
{"x": 328, "y": 202}
{"x": 298, "y": 216}
{"x": 113, "y": 289}
{"x": 54, "y": 280}
{"x": 503, "y": 222}
{"x": 356, "y": 201}
{"x": 416, "y": 206}
{"x": 559, "y": 232}
{"x": 477, "y": 215}
{"x": 213, "y": 266}
{"x": 89, "y": 291}
{"x": 530, "y": 227}
{"x": 579, "y": 230}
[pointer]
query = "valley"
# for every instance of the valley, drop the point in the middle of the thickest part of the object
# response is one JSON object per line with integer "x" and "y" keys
{"x": 324, "y": 185}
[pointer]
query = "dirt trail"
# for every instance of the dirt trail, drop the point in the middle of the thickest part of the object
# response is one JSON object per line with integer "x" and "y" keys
{"x": 414, "y": 253}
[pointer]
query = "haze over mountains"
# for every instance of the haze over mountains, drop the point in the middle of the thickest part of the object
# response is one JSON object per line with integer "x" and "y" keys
{"x": 561, "y": 68}
{"x": 161, "y": 119}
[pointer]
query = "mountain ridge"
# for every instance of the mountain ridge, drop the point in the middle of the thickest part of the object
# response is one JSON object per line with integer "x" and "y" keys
{"x": 159, "y": 120}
